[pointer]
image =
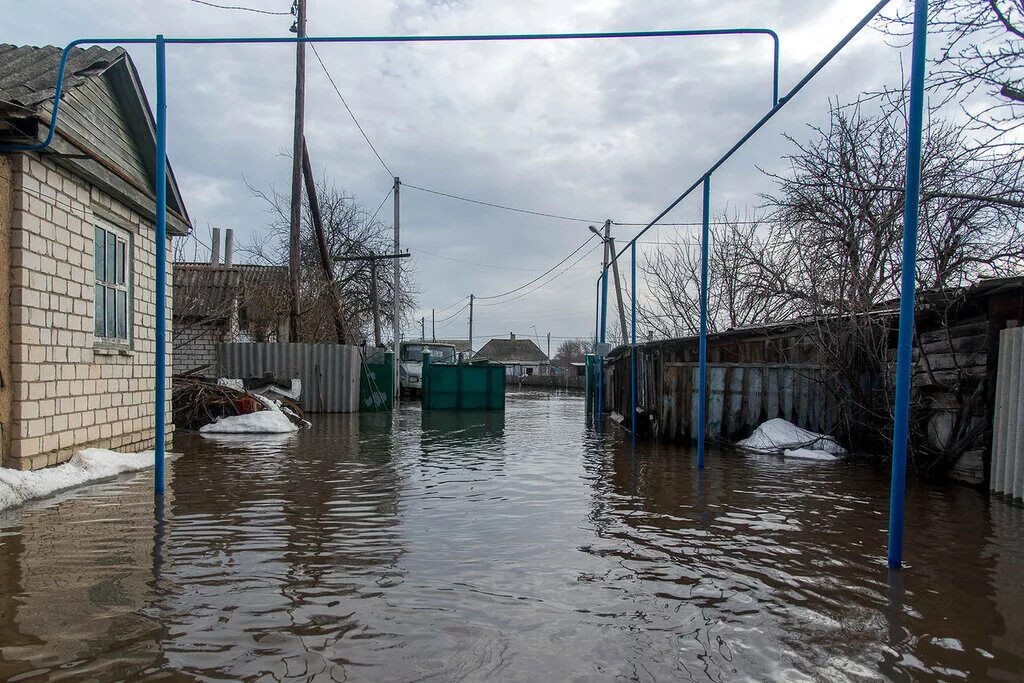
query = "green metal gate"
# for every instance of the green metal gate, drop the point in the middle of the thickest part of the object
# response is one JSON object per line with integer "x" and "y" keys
{"x": 470, "y": 386}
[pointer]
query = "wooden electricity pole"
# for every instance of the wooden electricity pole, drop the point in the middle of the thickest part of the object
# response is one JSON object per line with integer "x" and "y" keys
{"x": 433, "y": 325}
{"x": 297, "y": 145}
{"x": 471, "y": 297}
{"x": 618, "y": 283}
{"x": 333, "y": 295}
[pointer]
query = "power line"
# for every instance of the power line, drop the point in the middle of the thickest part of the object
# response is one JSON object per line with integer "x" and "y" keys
{"x": 473, "y": 263}
{"x": 381, "y": 206}
{"x": 349, "y": 110}
{"x": 501, "y": 206}
{"x": 244, "y": 9}
{"x": 442, "y": 310}
{"x": 453, "y": 315}
{"x": 513, "y": 291}
{"x": 544, "y": 284}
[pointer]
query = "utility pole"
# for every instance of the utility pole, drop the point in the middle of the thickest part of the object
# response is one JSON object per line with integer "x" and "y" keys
{"x": 397, "y": 286}
{"x": 618, "y": 284}
{"x": 321, "y": 241}
{"x": 433, "y": 325}
{"x": 471, "y": 297}
{"x": 376, "y": 303}
{"x": 549, "y": 353}
{"x": 297, "y": 140}
{"x": 423, "y": 328}
{"x": 373, "y": 258}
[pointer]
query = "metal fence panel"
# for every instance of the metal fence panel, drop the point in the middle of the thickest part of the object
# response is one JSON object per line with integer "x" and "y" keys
{"x": 329, "y": 372}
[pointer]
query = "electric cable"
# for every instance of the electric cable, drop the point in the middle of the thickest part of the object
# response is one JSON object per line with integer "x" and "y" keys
{"x": 244, "y": 9}
{"x": 350, "y": 112}
{"x": 549, "y": 270}
{"x": 501, "y": 206}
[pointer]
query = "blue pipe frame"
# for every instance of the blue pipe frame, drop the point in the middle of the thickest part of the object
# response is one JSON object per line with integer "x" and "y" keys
{"x": 912, "y": 188}
{"x": 904, "y": 352}
{"x": 160, "y": 42}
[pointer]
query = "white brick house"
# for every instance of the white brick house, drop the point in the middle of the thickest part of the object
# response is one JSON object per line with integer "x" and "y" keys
{"x": 77, "y": 258}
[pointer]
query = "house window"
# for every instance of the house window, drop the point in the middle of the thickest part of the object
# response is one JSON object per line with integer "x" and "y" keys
{"x": 111, "y": 294}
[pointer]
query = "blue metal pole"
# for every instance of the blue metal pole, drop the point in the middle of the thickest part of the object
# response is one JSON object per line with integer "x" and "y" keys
{"x": 160, "y": 352}
{"x": 604, "y": 328}
{"x": 597, "y": 328}
{"x": 702, "y": 353}
{"x": 632, "y": 290}
{"x": 904, "y": 356}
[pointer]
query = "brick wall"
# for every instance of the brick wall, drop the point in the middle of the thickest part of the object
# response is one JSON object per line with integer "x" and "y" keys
{"x": 195, "y": 344}
{"x": 69, "y": 391}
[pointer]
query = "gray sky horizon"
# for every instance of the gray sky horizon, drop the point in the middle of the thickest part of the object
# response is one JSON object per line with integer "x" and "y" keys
{"x": 592, "y": 129}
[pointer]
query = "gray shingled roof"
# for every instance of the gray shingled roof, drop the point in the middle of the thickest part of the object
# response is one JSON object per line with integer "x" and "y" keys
{"x": 205, "y": 290}
{"x": 506, "y": 350}
{"x": 28, "y": 74}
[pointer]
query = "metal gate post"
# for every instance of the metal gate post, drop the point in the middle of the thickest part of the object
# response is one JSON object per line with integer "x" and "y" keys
{"x": 160, "y": 352}
{"x": 702, "y": 353}
{"x": 904, "y": 356}
{"x": 632, "y": 355}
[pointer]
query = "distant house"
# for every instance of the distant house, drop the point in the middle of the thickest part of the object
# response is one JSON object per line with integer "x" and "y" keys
{"x": 225, "y": 302}
{"x": 77, "y": 257}
{"x": 520, "y": 356}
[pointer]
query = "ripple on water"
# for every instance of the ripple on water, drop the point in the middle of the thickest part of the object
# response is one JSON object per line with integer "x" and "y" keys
{"x": 519, "y": 546}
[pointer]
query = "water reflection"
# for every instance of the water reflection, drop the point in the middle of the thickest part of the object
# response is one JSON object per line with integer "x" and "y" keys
{"x": 523, "y": 545}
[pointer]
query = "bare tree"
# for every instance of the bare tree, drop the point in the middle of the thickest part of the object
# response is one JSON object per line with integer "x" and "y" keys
{"x": 673, "y": 307}
{"x": 572, "y": 351}
{"x": 836, "y": 239}
{"x": 981, "y": 53}
{"x": 350, "y": 231}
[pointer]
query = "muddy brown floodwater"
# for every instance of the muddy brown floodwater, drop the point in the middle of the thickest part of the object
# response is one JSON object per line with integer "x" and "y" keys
{"x": 515, "y": 546}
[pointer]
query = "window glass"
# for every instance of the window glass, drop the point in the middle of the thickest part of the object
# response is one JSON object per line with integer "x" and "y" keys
{"x": 120, "y": 262}
{"x": 99, "y": 315}
{"x": 111, "y": 285}
{"x": 122, "y": 314}
{"x": 110, "y": 306}
{"x": 111, "y": 254}
{"x": 98, "y": 246}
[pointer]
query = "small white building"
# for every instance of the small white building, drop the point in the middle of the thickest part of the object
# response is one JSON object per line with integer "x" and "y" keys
{"x": 78, "y": 257}
{"x": 521, "y": 356}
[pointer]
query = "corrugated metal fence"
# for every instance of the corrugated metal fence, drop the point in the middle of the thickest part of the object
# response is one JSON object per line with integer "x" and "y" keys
{"x": 329, "y": 372}
{"x": 1008, "y": 428}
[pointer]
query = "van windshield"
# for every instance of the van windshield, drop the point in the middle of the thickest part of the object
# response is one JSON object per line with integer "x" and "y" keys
{"x": 438, "y": 354}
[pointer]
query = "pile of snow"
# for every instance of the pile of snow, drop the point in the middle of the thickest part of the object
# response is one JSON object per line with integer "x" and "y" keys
{"x": 781, "y": 437}
{"x": 269, "y": 421}
{"x": 88, "y": 465}
{"x": 807, "y": 454}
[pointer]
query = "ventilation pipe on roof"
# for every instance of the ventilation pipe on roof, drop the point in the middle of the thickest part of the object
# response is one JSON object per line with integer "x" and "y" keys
{"x": 215, "y": 246}
{"x": 512, "y": 336}
{"x": 229, "y": 246}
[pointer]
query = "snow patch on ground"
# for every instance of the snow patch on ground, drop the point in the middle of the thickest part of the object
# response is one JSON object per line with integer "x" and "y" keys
{"x": 260, "y": 422}
{"x": 778, "y": 435}
{"x": 806, "y": 454}
{"x": 86, "y": 466}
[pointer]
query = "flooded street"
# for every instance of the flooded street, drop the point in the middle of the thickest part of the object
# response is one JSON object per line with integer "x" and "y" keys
{"x": 517, "y": 546}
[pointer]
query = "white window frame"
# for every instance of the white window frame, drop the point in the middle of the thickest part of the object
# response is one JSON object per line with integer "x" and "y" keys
{"x": 116, "y": 328}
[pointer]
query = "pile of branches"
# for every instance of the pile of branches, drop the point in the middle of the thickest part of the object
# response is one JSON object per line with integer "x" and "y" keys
{"x": 198, "y": 402}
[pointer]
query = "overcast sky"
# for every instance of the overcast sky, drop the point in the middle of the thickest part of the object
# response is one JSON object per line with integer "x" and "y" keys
{"x": 600, "y": 129}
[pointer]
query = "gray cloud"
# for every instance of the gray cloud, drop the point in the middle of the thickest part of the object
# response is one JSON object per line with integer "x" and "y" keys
{"x": 599, "y": 129}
